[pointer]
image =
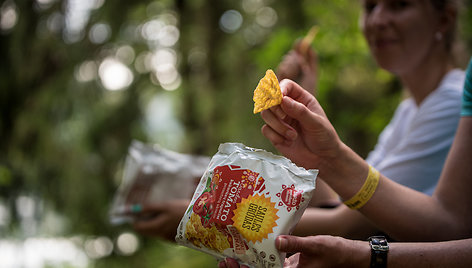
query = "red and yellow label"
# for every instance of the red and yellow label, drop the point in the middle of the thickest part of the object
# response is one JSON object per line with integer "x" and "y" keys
{"x": 255, "y": 217}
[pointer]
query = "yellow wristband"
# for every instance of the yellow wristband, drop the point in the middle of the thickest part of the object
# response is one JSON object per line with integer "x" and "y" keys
{"x": 366, "y": 192}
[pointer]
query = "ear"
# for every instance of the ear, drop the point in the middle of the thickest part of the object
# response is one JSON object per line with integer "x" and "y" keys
{"x": 448, "y": 20}
{"x": 447, "y": 25}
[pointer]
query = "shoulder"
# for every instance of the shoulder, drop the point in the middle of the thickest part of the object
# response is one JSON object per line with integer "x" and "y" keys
{"x": 452, "y": 84}
{"x": 448, "y": 95}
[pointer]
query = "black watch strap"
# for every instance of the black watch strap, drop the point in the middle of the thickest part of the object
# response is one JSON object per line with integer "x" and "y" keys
{"x": 379, "y": 251}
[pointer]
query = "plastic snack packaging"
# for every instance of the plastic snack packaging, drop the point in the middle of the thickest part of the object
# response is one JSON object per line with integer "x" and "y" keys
{"x": 152, "y": 174}
{"x": 245, "y": 199}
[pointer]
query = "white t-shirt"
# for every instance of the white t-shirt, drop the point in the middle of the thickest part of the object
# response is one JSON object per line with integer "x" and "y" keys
{"x": 412, "y": 149}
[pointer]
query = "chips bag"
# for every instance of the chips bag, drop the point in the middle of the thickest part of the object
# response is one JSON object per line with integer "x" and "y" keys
{"x": 245, "y": 199}
{"x": 153, "y": 174}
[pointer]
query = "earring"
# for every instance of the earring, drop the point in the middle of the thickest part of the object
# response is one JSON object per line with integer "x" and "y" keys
{"x": 438, "y": 36}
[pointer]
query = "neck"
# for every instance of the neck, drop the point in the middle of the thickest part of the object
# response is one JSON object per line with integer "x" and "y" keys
{"x": 423, "y": 79}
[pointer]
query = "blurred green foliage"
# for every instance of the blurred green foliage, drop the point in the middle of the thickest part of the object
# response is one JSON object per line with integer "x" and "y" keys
{"x": 64, "y": 135}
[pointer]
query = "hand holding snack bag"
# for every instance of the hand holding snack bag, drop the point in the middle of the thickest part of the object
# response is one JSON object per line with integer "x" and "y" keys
{"x": 245, "y": 199}
{"x": 152, "y": 177}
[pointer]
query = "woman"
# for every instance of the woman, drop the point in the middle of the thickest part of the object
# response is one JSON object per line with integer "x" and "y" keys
{"x": 412, "y": 39}
{"x": 399, "y": 210}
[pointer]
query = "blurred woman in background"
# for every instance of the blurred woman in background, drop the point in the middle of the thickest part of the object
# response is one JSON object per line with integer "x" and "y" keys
{"x": 413, "y": 40}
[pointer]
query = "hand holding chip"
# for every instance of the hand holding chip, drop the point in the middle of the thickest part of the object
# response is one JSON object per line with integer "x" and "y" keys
{"x": 302, "y": 68}
{"x": 299, "y": 128}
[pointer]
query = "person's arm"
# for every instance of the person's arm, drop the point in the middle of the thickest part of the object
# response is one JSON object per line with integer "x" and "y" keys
{"x": 455, "y": 253}
{"x": 300, "y": 130}
{"x": 324, "y": 196}
{"x": 332, "y": 251}
{"x": 408, "y": 215}
{"x": 339, "y": 221}
{"x": 160, "y": 219}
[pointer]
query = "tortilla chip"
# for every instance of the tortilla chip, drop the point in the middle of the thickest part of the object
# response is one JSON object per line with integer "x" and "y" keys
{"x": 267, "y": 92}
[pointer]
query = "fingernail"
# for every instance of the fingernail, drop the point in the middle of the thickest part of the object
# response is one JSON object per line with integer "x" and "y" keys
{"x": 281, "y": 114}
{"x": 136, "y": 208}
{"x": 290, "y": 134}
{"x": 281, "y": 242}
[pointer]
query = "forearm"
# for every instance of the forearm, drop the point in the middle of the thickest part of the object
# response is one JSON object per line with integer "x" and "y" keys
{"x": 323, "y": 195}
{"x": 401, "y": 212}
{"x": 438, "y": 254}
{"x": 408, "y": 215}
{"x": 340, "y": 221}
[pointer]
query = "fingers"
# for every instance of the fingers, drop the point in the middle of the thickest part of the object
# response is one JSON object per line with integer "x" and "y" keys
{"x": 292, "y": 261}
{"x": 278, "y": 119}
{"x": 230, "y": 263}
{"x": 146, "y": 208}
{"x": 275, "y": 129}
{"x": 148, "y": 225}
{"x": 295, "y": 91}
{"x": 289, "y": 244}
{"x": 301, "y": 113}
{"x": 159, "y": 226}
{"x": 277, "y": 110}
{"x": 289, "y": 67}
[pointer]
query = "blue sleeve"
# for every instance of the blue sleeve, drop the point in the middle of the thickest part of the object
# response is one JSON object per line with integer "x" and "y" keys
{"x": 467, "y": 97}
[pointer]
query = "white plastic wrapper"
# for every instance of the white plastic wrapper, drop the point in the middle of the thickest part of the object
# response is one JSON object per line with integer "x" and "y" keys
{"x": 245, "y": 199}
{"x": 153, "y": 174}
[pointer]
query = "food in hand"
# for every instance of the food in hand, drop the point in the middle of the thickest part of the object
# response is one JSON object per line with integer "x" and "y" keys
{"x": 267, "y": 92}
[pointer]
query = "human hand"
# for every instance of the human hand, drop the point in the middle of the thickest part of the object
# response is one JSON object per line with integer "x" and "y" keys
{"x": 300, "y": 64}
{"x": 161, "y": 219}
{"x": 230, "y": 263}
{"x": 323, "y": 251}
{"x": 299, "y": 129}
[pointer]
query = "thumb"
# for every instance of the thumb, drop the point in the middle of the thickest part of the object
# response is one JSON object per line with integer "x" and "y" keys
{"x": 290, "y": 244}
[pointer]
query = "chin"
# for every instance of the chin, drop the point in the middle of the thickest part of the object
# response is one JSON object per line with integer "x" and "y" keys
{"x": 389, "y": 63}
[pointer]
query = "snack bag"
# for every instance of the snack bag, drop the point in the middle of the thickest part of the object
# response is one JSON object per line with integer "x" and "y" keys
{"x": 245, "y": 199}
{"x": 153, "y": 174}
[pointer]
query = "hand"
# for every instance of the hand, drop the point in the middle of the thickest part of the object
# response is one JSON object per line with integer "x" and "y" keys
{"x": 230, "y": 263}
{"x": 300, "y": 66}
{"x": 299, "y": 128}
{"x": 323, "y": 251}
{"x": 160, "y": 220}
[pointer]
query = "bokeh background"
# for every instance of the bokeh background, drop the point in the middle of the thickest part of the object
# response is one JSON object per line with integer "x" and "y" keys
{"x": 80, "y": 79}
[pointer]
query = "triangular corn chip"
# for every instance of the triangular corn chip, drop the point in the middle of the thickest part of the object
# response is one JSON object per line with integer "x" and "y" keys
{"x": 267, "y": 92}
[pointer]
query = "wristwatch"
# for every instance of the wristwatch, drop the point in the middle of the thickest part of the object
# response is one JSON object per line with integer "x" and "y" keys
{"x": 379, "y": 251}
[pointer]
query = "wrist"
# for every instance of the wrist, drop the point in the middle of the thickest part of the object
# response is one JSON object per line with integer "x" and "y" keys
{"x": 362, "y": 256}
{"x": 345, "y": 172}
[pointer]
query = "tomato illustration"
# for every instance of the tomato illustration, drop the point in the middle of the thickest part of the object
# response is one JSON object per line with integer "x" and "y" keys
{"x": 200, "y": 203}
{"x": 204, "y": 208}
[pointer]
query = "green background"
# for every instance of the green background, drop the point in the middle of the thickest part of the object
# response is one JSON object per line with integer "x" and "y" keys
{"x": 64, "y": 135}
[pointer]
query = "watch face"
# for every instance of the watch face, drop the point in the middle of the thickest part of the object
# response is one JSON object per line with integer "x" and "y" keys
{"x": 378, "y": 243}
{"x": 379, "y": 246}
